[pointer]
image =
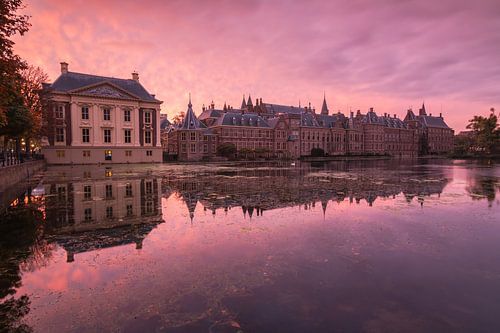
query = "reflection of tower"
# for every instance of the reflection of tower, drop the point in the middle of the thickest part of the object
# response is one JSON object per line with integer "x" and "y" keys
{"x": 191, "y": 201}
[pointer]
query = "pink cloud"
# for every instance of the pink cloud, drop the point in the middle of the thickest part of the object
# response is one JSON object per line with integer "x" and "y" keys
{"x": 389, "y": 54}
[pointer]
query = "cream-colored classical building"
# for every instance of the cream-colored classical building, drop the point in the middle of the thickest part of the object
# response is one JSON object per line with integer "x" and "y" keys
{"x": 91, "y": 119}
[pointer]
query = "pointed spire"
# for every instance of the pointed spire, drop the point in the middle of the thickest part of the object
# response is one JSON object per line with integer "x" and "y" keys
{"x": 189, "y": 104}
{"x": 249, "y": 103}
{"x": 422, "y": 111}
{"x": 243, "y": 103}
{"x": 324, "y": 108}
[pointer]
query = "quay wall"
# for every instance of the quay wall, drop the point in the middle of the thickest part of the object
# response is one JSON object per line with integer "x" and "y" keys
{"x": 13, "y": 174}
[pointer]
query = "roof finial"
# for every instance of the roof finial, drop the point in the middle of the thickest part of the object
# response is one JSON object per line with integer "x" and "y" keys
{"x": 189, "y": 104}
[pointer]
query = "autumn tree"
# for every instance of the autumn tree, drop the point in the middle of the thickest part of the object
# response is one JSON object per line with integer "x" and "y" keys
{"x": 11, "y": 100}
{"x": 179, "y": 118}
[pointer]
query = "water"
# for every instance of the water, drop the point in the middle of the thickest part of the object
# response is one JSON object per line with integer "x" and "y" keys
{"x": 369, "y": 246}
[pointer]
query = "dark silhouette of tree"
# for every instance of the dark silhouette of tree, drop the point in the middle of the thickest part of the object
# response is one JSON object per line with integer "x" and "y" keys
{"x": 226, "y": 150}
{"x": 486, "y": 132}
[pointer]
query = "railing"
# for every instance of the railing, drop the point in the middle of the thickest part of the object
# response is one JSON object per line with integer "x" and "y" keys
{"x": 12, "y": 158}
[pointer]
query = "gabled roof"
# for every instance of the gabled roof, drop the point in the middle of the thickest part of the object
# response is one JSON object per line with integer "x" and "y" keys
{"x": 71, "y": 81}
{"x": 210, "y": 113}
{"x": 410, "y": 116}
{"x": 308, "y": 119}
{"x": 191, "y": 122}
{"x": 238, "y": 119}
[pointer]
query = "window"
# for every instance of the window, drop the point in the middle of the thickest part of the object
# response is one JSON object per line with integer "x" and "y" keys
{"x": 107, "y": 136}
{"x": 193, "y": 136}
{"x": 59, "y": 112}
{"x": 128, "y": 190}
{"x": 128, "y": 136}
{"x": 87, "y": 192}
{"x": 60, "y": 153}
{"x": 147, "y": 117}
{"x": 108, "y": 155}
{"x": 147, "y": 137}
{"x": 109, "y": 191}
{"x": 106, "y": 112}
{"x": 205, "y": 148}
{"x": 108, "y": 173}
{"x": 86, "y": 174}
{"x": 109, "y": 212}
{"x": 183, "y": 136}
{"x": 85, "y": 113}
{"x": 86, "y": 135}
{"x": 126, "y": 115}
{"x": 88, "y": 214}
{"x": 86, "y": 153}
{"x": 183, "y": 148}
{"x": 149, "y": 187}
{"x": 130, "y": 210}
{"x": 149, "y": 153}
{"x": 59, "y": 134}
{"x": 128, "y": 153}
{"x": 193, "y": 148}
{"x": 149, "y": 207}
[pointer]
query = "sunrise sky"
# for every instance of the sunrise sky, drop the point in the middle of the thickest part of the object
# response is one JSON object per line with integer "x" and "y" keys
{"x": 387, "y": 54}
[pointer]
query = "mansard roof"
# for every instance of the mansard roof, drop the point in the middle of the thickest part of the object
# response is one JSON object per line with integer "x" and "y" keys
{"x": 70, "y": 81}
{"x": 371, "y": 118}
{"x": 239, "y": 119}
{"x": 165, "y": 123}
{"x": 393, "y": 122}
{"x": 329, "y": 121}
{"x": 191, "y": 122}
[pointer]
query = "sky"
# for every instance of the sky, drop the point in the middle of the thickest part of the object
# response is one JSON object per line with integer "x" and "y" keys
{"x": 386, "y": 54}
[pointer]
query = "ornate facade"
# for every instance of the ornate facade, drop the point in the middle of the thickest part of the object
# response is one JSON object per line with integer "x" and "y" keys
{"x": 93, "y": 119}
{"x": 275, "y": 130}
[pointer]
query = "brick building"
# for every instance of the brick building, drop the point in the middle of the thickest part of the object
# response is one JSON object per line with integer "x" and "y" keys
{"x": 275, "y": 131}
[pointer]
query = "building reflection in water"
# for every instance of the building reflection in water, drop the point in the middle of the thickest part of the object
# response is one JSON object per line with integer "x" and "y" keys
{"x": 256, "y": 190}
{"x": 92, "y": 208}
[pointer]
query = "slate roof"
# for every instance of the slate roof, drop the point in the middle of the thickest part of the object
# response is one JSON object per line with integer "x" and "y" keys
{"x": 329, "y": 121}
{"x": 191, "y": 122}
{"x": 272, "y": 122}
{"x": 165, "y": 123}
{"x": 277, "y": 108}
{"x": 309, "y": 120}
{"x": 69, "y": 81}
{"x": 431, "y": 121}
{"x": 238, "y": 119}
{"x": 210, "y": 113}
{"x": 387, "y": 121}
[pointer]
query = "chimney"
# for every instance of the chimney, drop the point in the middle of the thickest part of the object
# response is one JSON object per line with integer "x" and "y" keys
{"x": 352, "y": 114}
{"x": 385, "y": 114}
{"x": 394, "y": 116}
{"x": 260, "y": 101}
{"x": 153, "y": 95}
{"x": 371, "y": 109}
{"x": 64, "y": 67}
{"x": 135, "y": 76}
{"x": 440, "y": 115}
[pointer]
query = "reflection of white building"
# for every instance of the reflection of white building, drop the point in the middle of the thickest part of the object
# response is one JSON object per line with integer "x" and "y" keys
{"x": 93, "y": 119}
{"x": 88, "y": 203}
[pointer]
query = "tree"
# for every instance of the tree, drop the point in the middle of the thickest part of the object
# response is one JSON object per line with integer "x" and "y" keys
{"x": 10, "y": 64}
{"x": 486, "y": 132}
{"x": 226, "y": 150}
{"x": 31, "y": 90}
{"x": 179, "y": 118}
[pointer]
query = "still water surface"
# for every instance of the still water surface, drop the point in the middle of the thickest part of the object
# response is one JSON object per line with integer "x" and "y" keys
{"x": 376, "y": 246}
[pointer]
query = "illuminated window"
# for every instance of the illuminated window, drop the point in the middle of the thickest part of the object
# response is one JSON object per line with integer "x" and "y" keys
{"x": 108, "y": 155}
{"x": 60, "y": 153}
